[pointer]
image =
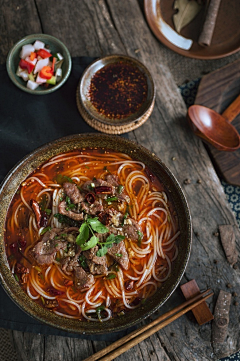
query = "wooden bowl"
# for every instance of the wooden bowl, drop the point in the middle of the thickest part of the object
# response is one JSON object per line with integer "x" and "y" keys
{"x": 102, "y": 122}
{"x": 25, "y": 167}
{"x": 55, "y": 46}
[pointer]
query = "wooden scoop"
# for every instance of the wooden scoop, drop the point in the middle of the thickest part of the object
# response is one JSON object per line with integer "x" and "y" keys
{"x": 215, "y": 128}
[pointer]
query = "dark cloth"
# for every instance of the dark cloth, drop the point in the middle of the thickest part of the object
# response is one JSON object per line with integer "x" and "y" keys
{"x": 26, "y": 122}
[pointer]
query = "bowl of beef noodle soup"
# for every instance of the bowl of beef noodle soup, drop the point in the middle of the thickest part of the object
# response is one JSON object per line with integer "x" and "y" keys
{"x": 95, "y": 233}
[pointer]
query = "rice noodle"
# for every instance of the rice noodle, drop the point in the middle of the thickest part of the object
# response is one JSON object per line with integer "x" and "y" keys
{"x": 150, "y": 259}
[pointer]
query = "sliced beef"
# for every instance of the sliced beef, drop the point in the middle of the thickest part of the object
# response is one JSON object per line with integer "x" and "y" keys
{"x": 72, "y": 191}
{"x": 82, "y": 279}
{"x": 102, "y": 188}
{"x": 53, "y": 233}
{"x": 114, "y": 181}
{"x": 69, "y": 263}
{"x": 119, "y": 253}
{"x": 92, "y": 209}
{"x": 104, "y": 217}
{"x": 62, "y": 209}
{"x": 45, "y": 251}
{"x": 105, "y": 188}
{"x": 95, "y": 208}
{"x": 102, "y": 236}
{"x": 131, "y": 229}
{"x": 97, "y": 265}
{"x": 123, "y": 196}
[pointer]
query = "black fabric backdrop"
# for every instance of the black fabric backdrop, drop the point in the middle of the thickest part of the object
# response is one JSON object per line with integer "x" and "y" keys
{"x": 27, "y": 122}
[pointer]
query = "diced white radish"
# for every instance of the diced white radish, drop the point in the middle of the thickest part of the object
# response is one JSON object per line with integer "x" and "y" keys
{"x": 34, "y": 61}
{"x": 60, "y": 57}
{"x": 19, "y": 71}
{"x": 26, "y": 51}
{"x": 38, "y": 45}
{"x": 58, "y": 74}
{"x": 40, "y": 64}
{"x": 22, "y": 73}
{"x": 32, "y": 85}
{"x": 24, "y": 76}
{"x": 40, "y": 80}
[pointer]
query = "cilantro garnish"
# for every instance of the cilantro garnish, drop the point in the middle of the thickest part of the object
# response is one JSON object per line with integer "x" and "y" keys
{"x": 68, "y": 200}
{"x": 64, "y": 219}
{"x": 111, "y": 199}
{"x": 60, "y": 179}
{"x": 140, "y": 237}
{"x": 126, "y": 214}
{"x": 111, "y": 276}
{"x": 45, "y": 230}
{"x": 108, "y": 244}
{"x": 83, "y": 261}
{"x": 99, "y": 310}
{"x": 70, "y": 205}
{"x": 120, "y": 189}
{"x": 88, "y": 227}
{"x": 43, "y": 202}
{"x": 105, "y": 168}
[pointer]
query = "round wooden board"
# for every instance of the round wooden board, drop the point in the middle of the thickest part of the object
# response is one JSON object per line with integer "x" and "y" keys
{"x": 226, "y": 36}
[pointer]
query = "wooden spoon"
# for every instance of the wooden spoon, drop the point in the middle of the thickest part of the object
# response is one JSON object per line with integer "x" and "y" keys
{"x": 215, "y": 128}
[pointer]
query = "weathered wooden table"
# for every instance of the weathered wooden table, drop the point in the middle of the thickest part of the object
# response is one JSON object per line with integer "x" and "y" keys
{"x": 100, "y": 27}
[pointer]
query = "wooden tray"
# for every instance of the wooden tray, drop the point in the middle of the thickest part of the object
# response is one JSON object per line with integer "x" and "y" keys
{"x": 216, "y": 91}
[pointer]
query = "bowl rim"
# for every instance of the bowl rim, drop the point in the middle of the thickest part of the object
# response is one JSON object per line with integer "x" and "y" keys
{"x": 126, "y": 121}
{"x": 10, "y": 285}
{"x": 31, "y": 38}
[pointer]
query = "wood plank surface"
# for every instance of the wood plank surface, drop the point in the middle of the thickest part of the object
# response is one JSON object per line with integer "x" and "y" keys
{"x": 217, "y": 91}
{"x": 98, "y": 27}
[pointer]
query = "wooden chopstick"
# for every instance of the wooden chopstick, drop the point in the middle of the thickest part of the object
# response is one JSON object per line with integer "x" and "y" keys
{"x": 132, "y": 339}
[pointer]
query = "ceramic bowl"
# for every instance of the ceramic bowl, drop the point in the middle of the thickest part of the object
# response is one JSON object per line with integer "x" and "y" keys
{"x": 25, "y": 167}
{"x": 55, "y": 46}
{"x": 102, "y": 122}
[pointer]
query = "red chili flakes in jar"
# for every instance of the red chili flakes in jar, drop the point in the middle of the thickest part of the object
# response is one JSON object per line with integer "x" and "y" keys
{"x": 118, "y": 90}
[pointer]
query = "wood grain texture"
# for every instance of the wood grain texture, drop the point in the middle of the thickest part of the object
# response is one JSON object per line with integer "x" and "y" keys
{"x": 217, "y": 91}
{"x": 98, "y": 27}
{"x": 12, "y": 24}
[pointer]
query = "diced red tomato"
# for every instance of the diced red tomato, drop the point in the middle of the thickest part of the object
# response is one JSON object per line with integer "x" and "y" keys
{"x": 44, "y": 53}
{"x": 33, "y": 56}
{"x": 26, "y": 65}
{"x": 46, "y": 72}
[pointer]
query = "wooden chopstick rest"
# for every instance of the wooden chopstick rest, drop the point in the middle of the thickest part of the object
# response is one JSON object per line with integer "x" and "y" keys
{"x": 201, "y": 312}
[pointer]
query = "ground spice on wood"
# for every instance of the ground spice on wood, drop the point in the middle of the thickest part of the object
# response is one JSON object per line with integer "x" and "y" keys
{"x": 118, "y": 90}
